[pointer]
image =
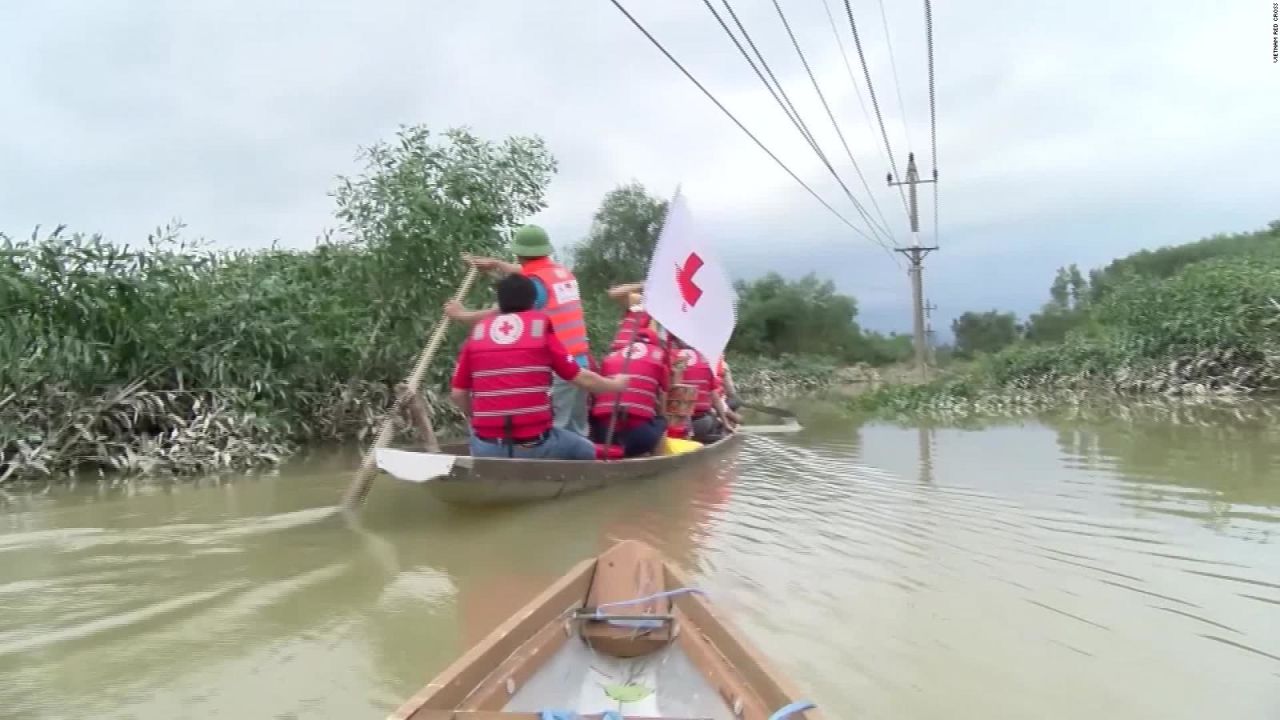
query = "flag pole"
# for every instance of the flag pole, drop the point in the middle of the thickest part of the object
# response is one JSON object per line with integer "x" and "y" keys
{"x": 626, "y": 357}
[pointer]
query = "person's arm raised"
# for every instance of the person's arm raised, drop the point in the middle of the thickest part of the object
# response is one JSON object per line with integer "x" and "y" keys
{"x": 622, "y": 293}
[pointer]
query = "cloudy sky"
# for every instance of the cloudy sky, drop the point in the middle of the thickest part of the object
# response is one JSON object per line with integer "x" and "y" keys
{"x": 1067, "y": 131}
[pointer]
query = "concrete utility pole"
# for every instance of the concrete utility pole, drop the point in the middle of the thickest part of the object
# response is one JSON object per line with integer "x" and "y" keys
{"x": 916, "y": 253}
{"x": 929, "y": 307}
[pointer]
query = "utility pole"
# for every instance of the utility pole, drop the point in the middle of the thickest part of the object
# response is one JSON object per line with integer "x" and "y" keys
{"x": 929, "y": 307}
{"x": 916, "y": 253}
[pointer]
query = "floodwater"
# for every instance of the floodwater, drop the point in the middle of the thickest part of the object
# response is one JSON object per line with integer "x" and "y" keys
{"x": 1023, "y": 570}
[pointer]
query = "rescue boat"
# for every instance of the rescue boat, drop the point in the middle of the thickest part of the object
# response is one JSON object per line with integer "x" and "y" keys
{"x": 455, "y": 477}
{"x": 621, "y": 636}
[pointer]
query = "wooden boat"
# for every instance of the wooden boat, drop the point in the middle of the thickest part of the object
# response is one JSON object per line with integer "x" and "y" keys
{"x": 457, "y": 478}
{"x": 619, "y": 636}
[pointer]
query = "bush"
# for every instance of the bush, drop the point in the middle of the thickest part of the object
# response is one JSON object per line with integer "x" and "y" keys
{"x": 175, "y": 357}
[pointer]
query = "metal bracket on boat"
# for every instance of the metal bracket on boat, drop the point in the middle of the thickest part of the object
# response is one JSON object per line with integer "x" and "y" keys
{"x": 640, "y": 621}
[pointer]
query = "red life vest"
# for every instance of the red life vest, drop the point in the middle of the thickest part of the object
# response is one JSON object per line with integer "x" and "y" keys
{"x": 563, "y": 304}
{"x": 511, "y": 375}
{"x": 698, "y": 372}
{"x": 628, "y": 326}
{"x": 648, "y": 371}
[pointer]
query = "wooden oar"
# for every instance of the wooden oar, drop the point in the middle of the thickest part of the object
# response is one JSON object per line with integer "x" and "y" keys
{"x": 617, "y": 400}
{"x": 360, "y": 483}
{"x": 780, "y": 412}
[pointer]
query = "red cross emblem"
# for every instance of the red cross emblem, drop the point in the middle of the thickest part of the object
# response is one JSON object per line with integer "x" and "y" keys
{"x": 689, "y": 292}
{"x": 506, "y": 329}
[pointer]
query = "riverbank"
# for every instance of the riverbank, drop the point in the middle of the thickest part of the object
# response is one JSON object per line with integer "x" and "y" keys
{"x": 144, "y": 428}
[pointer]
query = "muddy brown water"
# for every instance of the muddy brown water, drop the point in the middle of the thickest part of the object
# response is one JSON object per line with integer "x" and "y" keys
{"x": 1031, "y": 569}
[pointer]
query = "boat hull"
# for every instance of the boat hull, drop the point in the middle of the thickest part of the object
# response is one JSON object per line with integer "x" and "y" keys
{"x": 690, "y": 664}
{"x": 502, "y": 481}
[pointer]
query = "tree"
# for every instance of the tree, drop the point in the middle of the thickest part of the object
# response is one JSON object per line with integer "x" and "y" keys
{"x": 984, "y": 332}
{"x": 778, "y": 316}
{"x": 621, "y": 240}
{"x": 1069, "y": 295}
{"x": 421, "y": 202}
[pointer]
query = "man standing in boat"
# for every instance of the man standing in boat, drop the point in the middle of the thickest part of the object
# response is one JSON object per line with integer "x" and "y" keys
{"x": 503, "y": 381}
{"x": 556, "y": 295}
{"x": 640, "y": 424}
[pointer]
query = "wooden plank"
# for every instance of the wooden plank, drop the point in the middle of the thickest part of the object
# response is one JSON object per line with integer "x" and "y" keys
{"x": 718, "y": 671}
{"x": 523, "y": 663}
{"x": 448, "y": 689}
{"x": 730, "y": 643}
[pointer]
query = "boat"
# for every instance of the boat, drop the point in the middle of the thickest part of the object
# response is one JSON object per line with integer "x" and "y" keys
{"x": 455, "y": 477}
{"x": 621, "y": 636}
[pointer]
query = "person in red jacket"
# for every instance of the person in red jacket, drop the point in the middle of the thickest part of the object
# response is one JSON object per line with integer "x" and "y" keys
{"x": 640, "y": 424}
{"x": 556, "y": 294}
{"x": 706, "y": 426}
{"x": 502, "y": 382}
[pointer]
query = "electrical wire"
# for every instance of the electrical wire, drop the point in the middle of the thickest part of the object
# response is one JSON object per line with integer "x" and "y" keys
{"x": 823, "y": 99}
{"x": 789, "y": 110}
{"x": 875, "y": 104}
{"x": 897, "y": 84}
{"x": 933, "y": 113}
{"x": 732, "y": 117}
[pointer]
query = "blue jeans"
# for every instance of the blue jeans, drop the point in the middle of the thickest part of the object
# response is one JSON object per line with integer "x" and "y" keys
{"x": 559, "y": 445}
{"x": 638, "y": 440}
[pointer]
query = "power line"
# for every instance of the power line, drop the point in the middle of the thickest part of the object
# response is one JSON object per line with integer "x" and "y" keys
{"x": 786, "y": 106}
{"x": 902, "y": 108}
{"x": 793, "y": 113}
{"x": 788, "y": 109}
{"x": 862, "y": 103}
{"x": 765, "y": 64}
{"x": 871, "y": 90}
{"x": 725, "y": 110}
{"x": 933, "y": 114}
{"x": 821, "y": 97}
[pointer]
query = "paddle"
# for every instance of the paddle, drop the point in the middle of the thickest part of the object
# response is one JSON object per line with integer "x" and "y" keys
{"x": 360, "y": 483}
{"x": 780, "y": 412}
{"x": 617, "y": 399}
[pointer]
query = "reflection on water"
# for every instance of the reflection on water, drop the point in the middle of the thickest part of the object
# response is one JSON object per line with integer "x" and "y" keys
{"x": 1060, "y": 570}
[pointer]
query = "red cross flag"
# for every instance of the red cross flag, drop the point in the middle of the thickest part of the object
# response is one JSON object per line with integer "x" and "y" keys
{"x": 687, "y": 289}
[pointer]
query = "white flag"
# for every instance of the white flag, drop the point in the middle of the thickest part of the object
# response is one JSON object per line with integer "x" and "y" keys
{"x": 687, "y": 289}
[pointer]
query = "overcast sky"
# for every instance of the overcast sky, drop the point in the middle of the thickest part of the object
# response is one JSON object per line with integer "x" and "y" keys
{"x": 1068, "y": 131}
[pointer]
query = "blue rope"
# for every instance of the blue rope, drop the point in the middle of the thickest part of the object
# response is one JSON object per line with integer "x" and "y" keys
{"x": 784, "y": 712}
{"x": 571, "y": 715}
{"x": 647, "y": 598}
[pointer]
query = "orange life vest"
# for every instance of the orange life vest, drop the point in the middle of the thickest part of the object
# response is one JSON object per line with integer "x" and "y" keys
{"x": 564, "y": 307}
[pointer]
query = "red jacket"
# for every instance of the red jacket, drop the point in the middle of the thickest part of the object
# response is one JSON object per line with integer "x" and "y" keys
{"x": 698, "y": 372}
{"x": 507, "y": 364}
{"x": 628, "y": 326}
{"x": 648, "y": 376}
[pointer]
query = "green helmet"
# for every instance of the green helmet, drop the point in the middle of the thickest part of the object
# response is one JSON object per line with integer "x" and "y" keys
{"x": 530, "y": 241}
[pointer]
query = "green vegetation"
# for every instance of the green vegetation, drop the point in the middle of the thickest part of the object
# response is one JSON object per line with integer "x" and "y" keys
{"x": 1195, "y": 321}
{"x": 986, "y": 332}
{"x": 175, "y": 358}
